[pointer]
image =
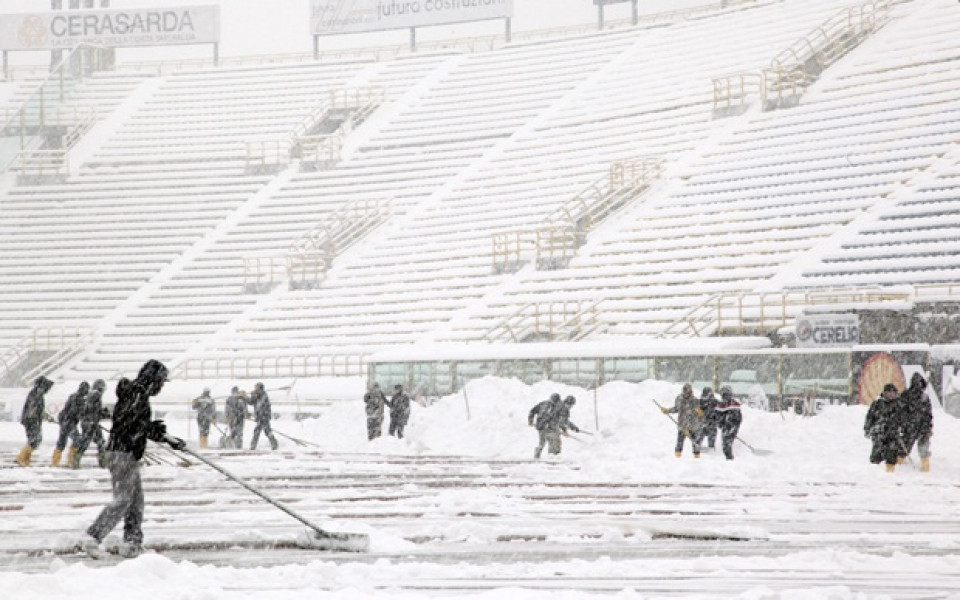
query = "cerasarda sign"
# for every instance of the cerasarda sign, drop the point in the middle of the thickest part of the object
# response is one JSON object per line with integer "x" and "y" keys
{"x": 827, "y": 331}
{"x": 112, "y": 28}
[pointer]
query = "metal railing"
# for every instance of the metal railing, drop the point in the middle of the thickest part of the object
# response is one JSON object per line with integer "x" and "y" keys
{"x": 793, "y": 69}
{"x": 275, "y": 153}
{"x": 730, "y": 92}
{"x": 556, "y": 241}
{"x": 310, "y": 256}
{"x": 65, "y": 343}
{"x": 41, "y": 109}
{"x": 262, "y": 273}
{"x": 567, "y": 320}
{"x": 255, "y": 367}
{"x": 751, "y": 312}
{"x": 622, "y": 183}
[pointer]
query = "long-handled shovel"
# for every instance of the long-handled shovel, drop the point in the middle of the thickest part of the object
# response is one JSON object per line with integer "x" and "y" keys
{"x": 907, "y": 454}
{"x": 322, "y": 540}
{"x": 296, "y": 441}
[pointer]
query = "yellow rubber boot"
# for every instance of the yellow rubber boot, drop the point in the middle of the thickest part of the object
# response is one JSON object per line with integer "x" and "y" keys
{"x": 925, "y": 464}
{"x": 678, "y": 454}
{"x": 890, "y": 468}
{"x": 73, "y": 461}
{"x": 204, "y": 441}
{"x": 23, "y": 459}
{"x": 55, "y": 461}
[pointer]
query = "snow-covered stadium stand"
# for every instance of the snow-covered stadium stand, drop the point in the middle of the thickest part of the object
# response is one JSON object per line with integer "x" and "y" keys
{"x": 145, "y": 241}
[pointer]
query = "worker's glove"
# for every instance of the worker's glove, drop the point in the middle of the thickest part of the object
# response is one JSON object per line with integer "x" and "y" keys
{"x": 156, "y": 430}
{"x": 575, "y": 428}
{"x": 698, "y": 412}
{"x": 665, "y": 411}
{"x": 176, "y": 443}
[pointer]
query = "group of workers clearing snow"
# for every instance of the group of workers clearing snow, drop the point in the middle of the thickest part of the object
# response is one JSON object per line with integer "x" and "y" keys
{"x": 894, "y": 423}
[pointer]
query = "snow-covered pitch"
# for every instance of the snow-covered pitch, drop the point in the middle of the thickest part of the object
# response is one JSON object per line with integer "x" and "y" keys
{"x": 459, "y": 509}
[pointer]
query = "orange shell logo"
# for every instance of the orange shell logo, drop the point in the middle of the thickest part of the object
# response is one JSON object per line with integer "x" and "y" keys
{"x": 32, "y": 32}
{"x": 879, "y": 370}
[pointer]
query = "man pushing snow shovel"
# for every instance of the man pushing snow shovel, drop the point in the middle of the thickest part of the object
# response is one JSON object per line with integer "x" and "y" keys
{"x": 132, "y": 427}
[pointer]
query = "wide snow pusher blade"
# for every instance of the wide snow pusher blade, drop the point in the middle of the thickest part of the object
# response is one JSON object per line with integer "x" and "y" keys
{"x": 317, "y": 538}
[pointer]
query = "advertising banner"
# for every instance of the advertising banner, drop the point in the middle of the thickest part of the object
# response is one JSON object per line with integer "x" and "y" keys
{"x": 115, "y": 28}
{"x": 328, "y": 17}
{"x": 827, "y": 331}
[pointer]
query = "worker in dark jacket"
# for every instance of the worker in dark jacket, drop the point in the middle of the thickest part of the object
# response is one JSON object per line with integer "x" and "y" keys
{"x": 689, "y": 420}
{"x": 206, "y": 408}
{"x": 884, "y": 427}
{"x": 90, "y": 430}
{"x": 374, "y": 401}
{"x": 235, "y": 412}
{"x": 729, "y": 418}
{"x": 546, "y": 417}
{"x": 399, "y": 411}
{"x": 918, "y": 420}
{"x": 32, "y": 418}
{"x": 708, "y": 404}
{"x": 132, "y": 427}
{"x": 69, "y": 419}
{"x": 262, "y": 413}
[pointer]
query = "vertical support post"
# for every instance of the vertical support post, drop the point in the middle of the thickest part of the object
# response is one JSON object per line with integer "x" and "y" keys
{"x": 596, "y": 410}
{"x": 508, "y": 34}
{"x": 636, "y": 12}
{"x": 316, "y": 47}
{"x": 413, "y": 39}
{"x": 216, "y": 54}
{"x": 466, "y": 401}
{"x": 600, "y": 16}
{"x": 6, "y": 65}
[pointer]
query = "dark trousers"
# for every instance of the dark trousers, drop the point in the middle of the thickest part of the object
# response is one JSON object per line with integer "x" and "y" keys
{"x": 67, "y": 430}
{"x": 709, "y": 432}
{"x": 683, "y": 434}
{"x": 263, "y": 426}
{"x": 374, "y": 426}
{"x": 90, "y": 432}
{"x": 396, "y": 426}
{"x": 127, "y": 500}
{"x": 34, "y": 434}
{"x": 885, "y": 450}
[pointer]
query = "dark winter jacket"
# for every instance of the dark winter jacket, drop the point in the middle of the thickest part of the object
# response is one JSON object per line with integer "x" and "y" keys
{"x": 260, "y": 401}
{"x": 33, "y": 408}
{"x": 92, "y": 410}
{"x": 708, "y": 404}
{"x": 399, "y": 407}
{"x": 728, "y": 415}
{"x": 918, "y": 412}
{"x": 70, "y": 413}
{"x": 132, "y": 425}
{"x": 686, "y": 406}
{"x": 884, "y": 419}
{"x": 547, "y": 415}
{"x": 206, "y": 408}
{"x": 563, "y": 418}
{"x": 374, "y": 401}
{"x": 235, "y": 410}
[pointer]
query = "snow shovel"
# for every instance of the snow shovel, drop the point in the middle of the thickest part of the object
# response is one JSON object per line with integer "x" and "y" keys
{"x": 322, "y": 540}
{"x": 756, "y": 451}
